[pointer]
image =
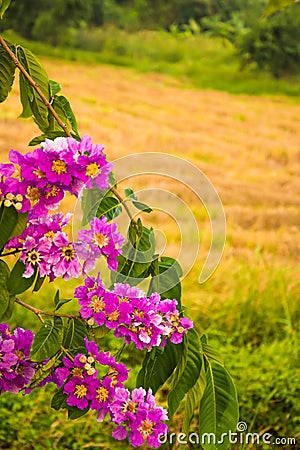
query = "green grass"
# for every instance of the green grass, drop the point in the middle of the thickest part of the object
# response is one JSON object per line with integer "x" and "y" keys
{"x": 250, "y": 313}
{"x": 198, "y": 61}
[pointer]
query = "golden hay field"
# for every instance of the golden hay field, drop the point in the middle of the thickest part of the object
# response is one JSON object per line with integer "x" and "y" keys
{"x": 248, "y": 146}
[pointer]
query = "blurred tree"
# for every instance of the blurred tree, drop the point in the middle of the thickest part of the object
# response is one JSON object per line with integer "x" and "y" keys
{"x": 49, "y": 20}
{"x": 273, "y": 43}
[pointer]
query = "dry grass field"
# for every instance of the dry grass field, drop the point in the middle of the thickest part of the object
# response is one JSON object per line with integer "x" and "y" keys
{"x": 249, "y": 147}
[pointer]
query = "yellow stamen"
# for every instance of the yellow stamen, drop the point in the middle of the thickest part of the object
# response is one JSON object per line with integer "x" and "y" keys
{"x": 80, "y": 390}
{"x": 92, "y": 169}
{"x": 33, "y": 193}
{"x": 59, "y": 166}
{"x": 50, "y": 234}
{"x": 54, "y": 191}
{"x": 114, "y": 315}
{"x": 20, "y": 354}
{"x": 102, "y": 240}
{"x": 146, "y": 428}
{"x": 39, "y": 173}
{"x": 130, "y": 406}
{"x": 97, "y": 304}
{"x": 77, "y": 372}
{"x": 68, "y": 252}
{"x": 102, "y": 394}
{"x": 33, "y": 257}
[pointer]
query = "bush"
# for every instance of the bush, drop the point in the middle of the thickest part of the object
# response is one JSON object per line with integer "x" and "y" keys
{"x": 273, "y": 44}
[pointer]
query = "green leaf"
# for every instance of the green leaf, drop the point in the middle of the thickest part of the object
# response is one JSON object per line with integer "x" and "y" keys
{"x": 26, "y": 96}
{"x": 6, "y": 300}
{"x": 91, "y": 199}
{"x": 59, "y": 302}
{"x": 59, "y": 400}
{"x": 75, "y": 413}
{"x": 43, "y": 371}
{"x": 7, "y": 74}
{"x": 158, "y": 366}
{"x": 129, "y": 193}
{"x": 218, "y": 408}
{"x": 39, "y": 283}
{"x": 100, "y": 332}
{"x": 109, "y": 207}
{"x": 16, "y": 282}
{"x": 188, "y": 371}
{"x": 193, "y": 398}
{"x": 212, "y": 354}
{"x": 20, "y": 226}
{"x": 137, "y": 255}
{"x": 49, "y": 135}
{"x": 40, "y": 77}
{"x": 276, "y": 5}
{"x": 67, "y": 109}
{"x": 166, "y": 262}
{"x": 9, "y": 309}
{"x": 142, "y": 206}
{"x": 167, "y": 282}
{"x": 47, "y": 341}
{"x": 55, "y": 87}
{"x": 8, "y": 221}
{"x": 4, "y": 4}
{"x": 74, "y": 335}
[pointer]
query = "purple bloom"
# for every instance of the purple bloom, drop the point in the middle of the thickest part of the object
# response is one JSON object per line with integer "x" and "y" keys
{"x": 47, "y": 173}
{"x": 138, "y": 415}
{"x": 16, "y": 369}
{"x": 47, "y": 248}
{"x": 63, "y": 259}
{"x": 145, "y": 321}
{"x": 79, "y": 391}
{"x": 102, "y": 239}
{"x": 91, "y": 161}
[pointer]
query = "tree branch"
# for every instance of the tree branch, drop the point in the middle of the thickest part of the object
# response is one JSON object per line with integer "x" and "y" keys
{"x": 13, "y": 252}
{"x": 35, "y": 86}
{"x": 40, "y": 312}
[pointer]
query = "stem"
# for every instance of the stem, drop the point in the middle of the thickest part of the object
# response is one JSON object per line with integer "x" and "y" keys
{"x": 40, "y": 312}
{"x": 119, "y": 351}
{"x": 13, "y": 252}
{"x": 35, "y": 86}
{"x": 122, "y": 201}
{"x": 67, "y": 353}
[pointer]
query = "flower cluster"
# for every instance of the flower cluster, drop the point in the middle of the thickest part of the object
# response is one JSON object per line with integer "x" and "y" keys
{"x": 95, "y": 380}
{"x": 16, "y": 369}
{"x": 102, "y": 239}
{"x": 139, "y": 416}
{"x": 46, "y": 247}
{"x": 146, "y": 321}
{"x": 42, "y": 177}
{"x": 91, "y": 379}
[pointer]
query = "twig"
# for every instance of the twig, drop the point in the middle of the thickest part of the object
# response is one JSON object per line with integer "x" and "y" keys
{"x": 13, "y": 252}
{"x": 35, "y": 86}
{"x": 40, "y": 312}
{"x": 122, "y": 201}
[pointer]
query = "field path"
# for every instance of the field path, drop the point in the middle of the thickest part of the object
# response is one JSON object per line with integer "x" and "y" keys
{"x": 249, "y": 147}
